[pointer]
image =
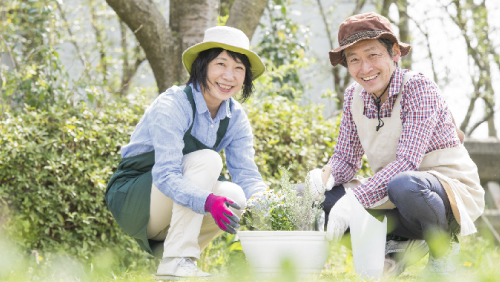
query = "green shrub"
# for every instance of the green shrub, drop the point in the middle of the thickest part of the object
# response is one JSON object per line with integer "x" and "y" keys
{"x": 290, "y": 135}
{"x": 55, "y": 165}
{"x": 53, "y": 173}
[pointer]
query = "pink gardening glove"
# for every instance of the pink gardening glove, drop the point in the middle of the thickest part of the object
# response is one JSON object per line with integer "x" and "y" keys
{"x": 225, "y": 219}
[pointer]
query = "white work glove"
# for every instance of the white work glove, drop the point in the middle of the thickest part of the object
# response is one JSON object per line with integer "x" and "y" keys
{"x": 338, "y": 219}
{"x": 316, "y": 184}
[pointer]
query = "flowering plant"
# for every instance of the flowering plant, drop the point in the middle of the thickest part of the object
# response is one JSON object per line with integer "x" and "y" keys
{"x": 286, "y": 208}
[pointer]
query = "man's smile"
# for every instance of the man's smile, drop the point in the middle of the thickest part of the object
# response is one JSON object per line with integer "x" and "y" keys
{"x": 370, "y": 77}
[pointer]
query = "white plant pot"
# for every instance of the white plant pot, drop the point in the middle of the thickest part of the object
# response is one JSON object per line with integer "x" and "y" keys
{"x": 266, "y": 250}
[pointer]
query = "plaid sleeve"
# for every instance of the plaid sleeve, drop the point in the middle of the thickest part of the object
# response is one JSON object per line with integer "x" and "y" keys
{"x": 346, "y": 160}
{"x": 421, "y": 109}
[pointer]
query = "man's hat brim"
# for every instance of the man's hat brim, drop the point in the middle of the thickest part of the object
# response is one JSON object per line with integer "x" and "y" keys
{"x": 336, "y": 55}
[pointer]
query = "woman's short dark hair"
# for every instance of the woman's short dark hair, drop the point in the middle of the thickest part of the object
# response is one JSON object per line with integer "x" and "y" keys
{"x": 200, "y": 65}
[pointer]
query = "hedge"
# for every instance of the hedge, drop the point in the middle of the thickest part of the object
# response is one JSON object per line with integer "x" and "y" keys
{"x": 55, "y": 165}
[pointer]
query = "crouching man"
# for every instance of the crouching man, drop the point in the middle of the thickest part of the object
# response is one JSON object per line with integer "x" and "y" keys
{"x": 424, "y": 180}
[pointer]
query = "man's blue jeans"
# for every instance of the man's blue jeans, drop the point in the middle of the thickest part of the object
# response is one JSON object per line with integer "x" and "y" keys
{"x": 422, "y": 207}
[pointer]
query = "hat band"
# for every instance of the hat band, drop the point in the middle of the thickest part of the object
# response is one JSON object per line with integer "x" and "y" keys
{"x": 361, "y": 35}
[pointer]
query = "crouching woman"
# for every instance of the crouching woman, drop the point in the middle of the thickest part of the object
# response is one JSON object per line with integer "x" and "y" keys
{"x": 168, "y": 179}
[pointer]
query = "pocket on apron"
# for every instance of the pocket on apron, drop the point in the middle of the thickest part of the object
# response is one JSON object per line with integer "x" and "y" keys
{"x": 115, "y": 197}
{"x": 131, "y": 203}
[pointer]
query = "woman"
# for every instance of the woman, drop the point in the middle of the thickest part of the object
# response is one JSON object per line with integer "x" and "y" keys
{"x": 168, "y": 178}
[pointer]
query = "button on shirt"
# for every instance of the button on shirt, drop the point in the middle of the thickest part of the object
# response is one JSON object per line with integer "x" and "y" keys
{"x": 427, "y": 126}
{"x": 162, "y": 129}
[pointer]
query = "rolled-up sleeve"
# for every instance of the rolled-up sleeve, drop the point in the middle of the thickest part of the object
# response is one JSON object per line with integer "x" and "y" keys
{"x": 346, "y": 160}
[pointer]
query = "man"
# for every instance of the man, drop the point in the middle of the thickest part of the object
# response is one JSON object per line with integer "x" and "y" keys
{"x": 424, "y": 180}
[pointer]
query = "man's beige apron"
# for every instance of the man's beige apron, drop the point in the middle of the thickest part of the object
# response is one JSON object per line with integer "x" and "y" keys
{"x": 452, "y": 166}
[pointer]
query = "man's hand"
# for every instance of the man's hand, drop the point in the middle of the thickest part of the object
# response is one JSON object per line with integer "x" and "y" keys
{"x": 338, "y": 219}
{"x": 327, "y": 177}
{"x": 320, "y": 180}
{"x": 316, "y": 185}
{"x": 225, "y": 219}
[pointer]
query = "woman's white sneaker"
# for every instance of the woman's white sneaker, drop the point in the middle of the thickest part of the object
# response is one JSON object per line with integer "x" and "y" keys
{"x": 178, "y": 268}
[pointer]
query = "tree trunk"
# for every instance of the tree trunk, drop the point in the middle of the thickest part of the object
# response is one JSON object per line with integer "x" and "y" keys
{"x": 188, "y": 21}
{"x": 384, "y": 10}
{"x": 492, "y": 130}
{"x": 404, "y": 31}
{"x": 489, "y": 101}
{"x": 470, "y": 110}
{"x": 164, "y": 44}
{"x": 245, "y": 15}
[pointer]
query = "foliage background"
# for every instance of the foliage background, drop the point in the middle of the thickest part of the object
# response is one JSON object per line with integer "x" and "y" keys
{"x": 60, "y": 140}
{"x": 60, "y": 143}
{"x": 56, "y": 162}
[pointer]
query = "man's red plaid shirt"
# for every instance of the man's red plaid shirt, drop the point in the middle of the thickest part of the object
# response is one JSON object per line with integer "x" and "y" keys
{"x": 427, "y": 126}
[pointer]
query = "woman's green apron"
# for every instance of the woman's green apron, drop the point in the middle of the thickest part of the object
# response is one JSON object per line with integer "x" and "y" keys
{"x": 129, "y": 190}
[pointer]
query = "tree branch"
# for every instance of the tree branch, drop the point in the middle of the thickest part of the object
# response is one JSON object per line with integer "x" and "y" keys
{"x": 358, "y": 7}
{"x": 124, "y": 84}
{"x": 463, "y": 28}
{"x": 427, "y": 41}
{"x": 130, "y": 72}
{"x": 335, "y": 72}
{"x": 488, "y": 115}
{"x": 152, "y": 33}
{"x": 100, "y": 42}
{"x": 81, "y": 56}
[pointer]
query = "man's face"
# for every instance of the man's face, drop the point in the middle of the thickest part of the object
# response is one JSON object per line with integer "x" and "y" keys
{"x": 370, "y": 64}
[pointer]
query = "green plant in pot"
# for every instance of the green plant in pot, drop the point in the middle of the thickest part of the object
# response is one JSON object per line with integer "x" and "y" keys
{"x": 289, "y": 208}
{"x": 283, "y": 226}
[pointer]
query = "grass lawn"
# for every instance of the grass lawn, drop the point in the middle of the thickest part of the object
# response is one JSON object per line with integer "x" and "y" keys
{"x": 479, "y": 261}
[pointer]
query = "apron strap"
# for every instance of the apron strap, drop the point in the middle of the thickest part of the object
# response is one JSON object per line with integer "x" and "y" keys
{"x": 223, "y": 125}
{"x": 189, "y": 94}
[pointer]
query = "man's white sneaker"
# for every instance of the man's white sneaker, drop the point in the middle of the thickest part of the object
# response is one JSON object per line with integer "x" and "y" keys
{"x": 445, "y": 265}
{"x": 179, "y": 268}
{"x": 401, "y": 254}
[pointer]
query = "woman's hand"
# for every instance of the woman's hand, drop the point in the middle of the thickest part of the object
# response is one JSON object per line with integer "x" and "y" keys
{"x": 217, "y": 206}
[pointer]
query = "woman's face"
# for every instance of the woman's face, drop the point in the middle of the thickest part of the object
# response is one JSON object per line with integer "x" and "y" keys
{"x": 225, "y": 78}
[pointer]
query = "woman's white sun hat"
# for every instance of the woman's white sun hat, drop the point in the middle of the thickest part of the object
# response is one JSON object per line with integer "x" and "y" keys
{"x": 228, "y": 38}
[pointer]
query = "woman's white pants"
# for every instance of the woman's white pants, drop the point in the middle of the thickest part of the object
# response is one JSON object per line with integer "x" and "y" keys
{"x": 185, "y": 232}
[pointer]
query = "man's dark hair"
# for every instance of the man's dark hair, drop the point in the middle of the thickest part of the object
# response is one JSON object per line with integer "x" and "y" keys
{"x": 388, "y": 43}
{"x": 200, "y": 65}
